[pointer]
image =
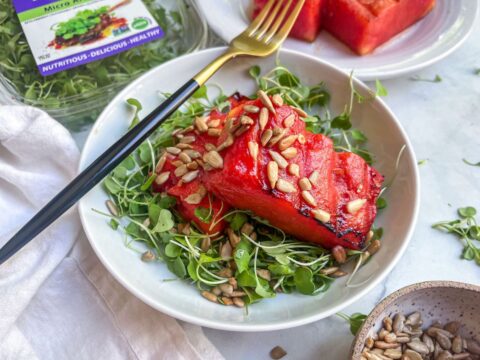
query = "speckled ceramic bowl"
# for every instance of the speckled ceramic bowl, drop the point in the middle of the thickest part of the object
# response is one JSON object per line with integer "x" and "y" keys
{"x": 441, "y": 301}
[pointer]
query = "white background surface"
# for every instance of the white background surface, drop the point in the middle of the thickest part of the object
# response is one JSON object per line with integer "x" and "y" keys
{"x": 443, "y": 122}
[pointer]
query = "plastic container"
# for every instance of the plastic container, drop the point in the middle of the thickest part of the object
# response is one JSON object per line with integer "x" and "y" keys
{"x": 76, "y": 96}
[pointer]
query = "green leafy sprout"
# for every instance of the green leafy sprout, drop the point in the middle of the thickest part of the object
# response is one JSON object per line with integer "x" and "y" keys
{"x": 150, "y": 218}
{"x": 87, "y": 86}
{"x": 355, "y": 320}
{"x": 81, "y": 23}
{"x": 467, "y": 230}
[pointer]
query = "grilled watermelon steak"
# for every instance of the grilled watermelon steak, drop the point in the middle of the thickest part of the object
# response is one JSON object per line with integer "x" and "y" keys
{"x": 308, "y": 22}
{"x": 260, "y": 157}
{"x": 363, "y": 25}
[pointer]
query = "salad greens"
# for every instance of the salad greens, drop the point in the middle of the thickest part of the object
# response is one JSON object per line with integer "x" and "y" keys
{"x": 467, "y": 229}
{"x": 265, "y": 260}
{"x": 93, "y": 82}
{"x": 355, "y": 320}
{"x": 81, "y": 23}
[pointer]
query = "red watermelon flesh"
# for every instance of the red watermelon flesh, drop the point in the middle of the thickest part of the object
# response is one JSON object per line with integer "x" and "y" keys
{"x": 308, "y": 22}
{"x": 363, "y": 25}
{"x": 242, "y": 182}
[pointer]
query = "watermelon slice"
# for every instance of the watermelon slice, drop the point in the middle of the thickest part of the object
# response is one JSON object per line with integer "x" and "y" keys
{"x": 363, "y": 25}
{"x": 308, "y": 22}
{"x": 318, "y": 195}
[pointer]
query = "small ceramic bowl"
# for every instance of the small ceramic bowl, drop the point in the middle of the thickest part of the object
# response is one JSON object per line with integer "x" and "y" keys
{"x": 442, "y": 301}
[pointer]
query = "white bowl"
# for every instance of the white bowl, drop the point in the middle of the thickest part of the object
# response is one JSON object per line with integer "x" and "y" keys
{"x": 182, "y": 300}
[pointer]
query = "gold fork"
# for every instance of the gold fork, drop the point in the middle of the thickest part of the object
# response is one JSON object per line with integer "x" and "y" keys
{"x": 261, "y": 38}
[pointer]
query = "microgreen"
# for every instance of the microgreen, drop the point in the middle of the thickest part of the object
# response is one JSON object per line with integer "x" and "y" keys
{"x": 93, "y": 82}
{"x": 466, "y": 229}
{"x": 81, "y": 23}
{"x": 355, "y": 320}
{"x": 436, "y": 79}
{"x": 150, "y": 218}
{"x": 471, "y": 163}
{"x": 422, "y": 162}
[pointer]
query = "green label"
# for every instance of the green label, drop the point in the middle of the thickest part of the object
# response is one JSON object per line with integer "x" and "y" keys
{"x": 49, "y": 9}
{"x": 140, "y": 23}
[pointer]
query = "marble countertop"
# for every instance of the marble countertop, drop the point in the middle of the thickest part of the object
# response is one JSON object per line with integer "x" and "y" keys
{"x": 443, "y": 122}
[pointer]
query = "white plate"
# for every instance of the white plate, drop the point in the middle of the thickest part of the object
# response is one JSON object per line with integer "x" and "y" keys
{"x": 182, "y": 300}
{"x": 428, "y": 41}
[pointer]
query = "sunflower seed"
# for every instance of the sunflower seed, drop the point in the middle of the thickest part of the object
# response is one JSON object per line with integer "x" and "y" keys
{"x": 301, "y": 139}
{"x": 177, "y": 163}
{"x": 393, "y": 353}
{"x": 148, "y": 256}
{"x": 214, "y": 123}
{"x": 473, "y": 347}
{"x": 277, "y": 99}
{"x": 278, "y": 134}
{"x": 329, "y": 270}
{"x": 264, "y": 274}
{"x": 214, "y": 159}
{"x": 300, "y": 112}
{"x": 309, "y": 199}
{"x": 355, "y": 205}
{"x": 205, "y": 245}
{"x": 413, "y": 319}
{"x": 226, "y": 250}
{"x": 184, "y": 157}
{"x": 461, "y": 356}
{"x": 242, "y": 129}
{"x": 238, "y": 302}
{"x": 340, "y": 256}
{"x": 285, "y": 187}
{"x": 289, "y": 121}
{"x": 162, "y": 178}
{"x": 272, "y": 173}
{"x": 279, "y": 159}
{"x": 374, "y": 247}
{"x": 173, "y": 150}
{"x": 418, "y": 346}
{"x": 457, "y": 344}
{"x": 226, "y": 301}
{"x": 339, "y": 273}
{"x": 452, "y": 327}
{"x": 181, "y": 170}
{"x": 253, "y": 149}
{"x": 232, "y": 281}
{"x": 161, "y": 163}
{"x": 398, "y": 323}
{"x": 187, "y": 129}
{"x": 225, "y": 272}
{"x": 200, "y": 124}
{"x": 246, "y": 120}
{"x": 289, "y": 153}
{"x": 427, "y": 340}
{"x": 194, "y": 199}
{"x": 251, "y": 109}
{"x": 214, "y": 132}
{"x": 209, "y": 296}
{"x": 238, "y": 294}
{"x": 321, "y": 215}
{"x": 263, "y": 118}
{"x": 387, "y": 323}
{"x": 443, "y": 340}
{"x": 266, "y": 136}
{"x": 227, "y": 289}
{"x": 294, "y": 169}
{"x": 247, "y": 229}
{"x": 305, "y": 184}
{"x": 277, "y": 353}
{"x": 190, "y": 176}
{"x": 192, "y": 153}
{"x": 228, "y": 142}
{"x": 266, "y": 101}
{"x": 232, "y": 237}
{"x": 286, "y": 142}
{"x": 412, "y": 355}
{"x": 384, "y": 345}
{"x": 184, "y": 229}
{"x": 187, "y": 140}
{"x": 192, "y": 165}
{"x": 112, "y": 207}
{"x": 314, "y": 177}
{"x": 210, "y": 147}
{"x": 444, "y": 355}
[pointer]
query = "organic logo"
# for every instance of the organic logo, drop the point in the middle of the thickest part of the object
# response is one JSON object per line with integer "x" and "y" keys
{"x": 140, "y": 23}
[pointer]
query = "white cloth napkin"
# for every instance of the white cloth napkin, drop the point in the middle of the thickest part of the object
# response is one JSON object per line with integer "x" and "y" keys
{"x": 57, "y": 301}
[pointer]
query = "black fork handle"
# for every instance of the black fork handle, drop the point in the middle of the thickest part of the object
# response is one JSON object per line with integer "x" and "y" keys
{"x": 95, "y": 172}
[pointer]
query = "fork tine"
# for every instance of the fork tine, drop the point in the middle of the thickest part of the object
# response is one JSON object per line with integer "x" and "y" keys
{"x": 266, "y": 24}
{"x": 255, "y": 24}
{"x": 285, "y": 29}
{"x": 278, "y": 22}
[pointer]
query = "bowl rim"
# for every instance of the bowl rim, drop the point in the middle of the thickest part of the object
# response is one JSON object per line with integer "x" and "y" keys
{"x": 358, "y": 342}
{"x": 248, "y": 327}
